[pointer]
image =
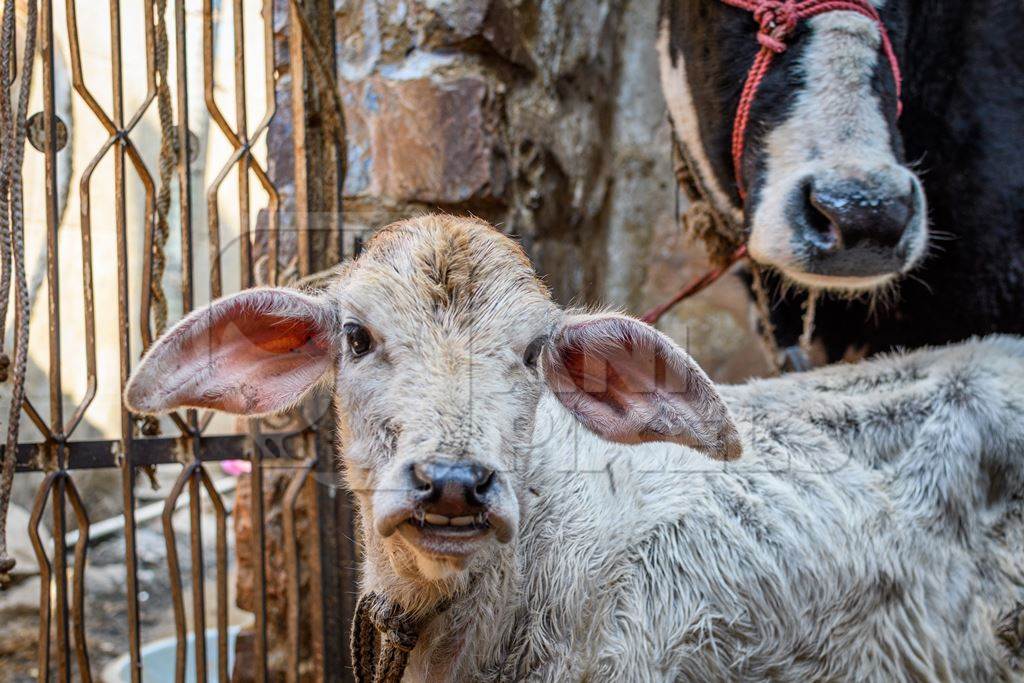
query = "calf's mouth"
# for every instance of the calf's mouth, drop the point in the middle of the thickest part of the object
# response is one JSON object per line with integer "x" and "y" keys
{"x": 439, "y": 535}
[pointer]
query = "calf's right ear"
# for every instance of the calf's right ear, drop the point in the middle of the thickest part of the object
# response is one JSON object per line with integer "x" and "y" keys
{"x": 629, "y": 383}
{"x": 256, "y": 352}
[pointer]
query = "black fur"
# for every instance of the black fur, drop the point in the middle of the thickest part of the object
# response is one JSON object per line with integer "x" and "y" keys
{"x": 962, "y": 126}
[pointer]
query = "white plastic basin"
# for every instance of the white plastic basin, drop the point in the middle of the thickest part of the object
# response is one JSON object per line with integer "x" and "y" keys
{"x": 158, "y": 660}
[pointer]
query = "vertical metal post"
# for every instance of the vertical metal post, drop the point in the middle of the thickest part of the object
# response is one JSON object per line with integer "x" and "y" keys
{"x": 319, "y": 179}
{"x": 124, "y": 327}
{"x": 60, "y": 568}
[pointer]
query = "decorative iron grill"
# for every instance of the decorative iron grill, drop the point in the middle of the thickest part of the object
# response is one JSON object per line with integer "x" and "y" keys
{"x": 275, "y": 247}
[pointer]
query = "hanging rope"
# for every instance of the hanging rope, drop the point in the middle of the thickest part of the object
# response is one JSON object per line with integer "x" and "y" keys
{"x": 722, "y": 237}
{"x": 810, "y": 308}
{"x": 168, "y": 159}
{"x": 150, "y": 425}
{"x": 721, "y": 234}
{"x": 12, "y": 227}
{"x": 767, "y": 327}
{"x": 6, "y": 80}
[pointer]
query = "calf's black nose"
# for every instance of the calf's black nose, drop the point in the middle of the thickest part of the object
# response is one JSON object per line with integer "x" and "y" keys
{"x": 852, "y": 214}
{"x": 451, "y": 487}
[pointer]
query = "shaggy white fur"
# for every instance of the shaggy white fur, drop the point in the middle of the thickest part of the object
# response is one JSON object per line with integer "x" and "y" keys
{"x": 871, "y": 532}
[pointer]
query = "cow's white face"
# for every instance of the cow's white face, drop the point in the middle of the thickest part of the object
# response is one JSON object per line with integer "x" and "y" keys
{"x": 439, "y": 342}
{"x": 830, "y": 203}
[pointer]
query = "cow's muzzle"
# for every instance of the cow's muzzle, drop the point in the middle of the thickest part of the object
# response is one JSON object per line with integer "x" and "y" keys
{"x": 851, "y": 230}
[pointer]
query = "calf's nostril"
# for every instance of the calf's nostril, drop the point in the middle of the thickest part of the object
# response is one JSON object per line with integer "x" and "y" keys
{"x": 485, "y": 480}
{"x": 421, "y": 479}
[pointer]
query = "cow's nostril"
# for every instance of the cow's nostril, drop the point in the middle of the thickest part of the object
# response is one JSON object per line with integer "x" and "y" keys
{"x": 823, "y": 231}
{"x": 852, "y": 214}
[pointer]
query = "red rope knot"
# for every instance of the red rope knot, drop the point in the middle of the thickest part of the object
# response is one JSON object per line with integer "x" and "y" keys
{"x": 778, "y": 21}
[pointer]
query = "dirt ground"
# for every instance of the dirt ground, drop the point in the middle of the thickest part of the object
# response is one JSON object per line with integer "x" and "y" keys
{"x": 106, "y": 619}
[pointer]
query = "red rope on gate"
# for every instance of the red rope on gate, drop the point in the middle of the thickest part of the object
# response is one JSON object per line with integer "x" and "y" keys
{"x": 778, "y": 19}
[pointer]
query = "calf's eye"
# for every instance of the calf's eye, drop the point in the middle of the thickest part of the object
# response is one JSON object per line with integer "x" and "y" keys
{"x": 359, "y": 340}
{"x": 532, "y": 353}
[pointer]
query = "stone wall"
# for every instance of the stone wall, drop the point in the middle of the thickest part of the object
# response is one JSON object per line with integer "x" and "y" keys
{"x": 545, "y": 117}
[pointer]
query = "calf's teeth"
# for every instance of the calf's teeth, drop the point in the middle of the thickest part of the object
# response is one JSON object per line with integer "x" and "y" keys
{"x": 462, "y": 521}
{"x": 439, "y": 520}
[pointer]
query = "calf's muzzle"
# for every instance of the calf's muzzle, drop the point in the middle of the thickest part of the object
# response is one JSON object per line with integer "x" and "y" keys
{"x": 450, "y": 491}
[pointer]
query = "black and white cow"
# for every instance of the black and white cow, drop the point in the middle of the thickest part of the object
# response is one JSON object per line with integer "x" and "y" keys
{"x": 923, "y": 211}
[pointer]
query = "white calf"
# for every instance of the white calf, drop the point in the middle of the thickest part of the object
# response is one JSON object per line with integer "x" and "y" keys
{"x": 556, "y": 495}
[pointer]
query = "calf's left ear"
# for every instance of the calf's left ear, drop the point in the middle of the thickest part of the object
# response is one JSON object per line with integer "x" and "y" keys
{"x": 257, "y": 352}
{"x": 629, "y": 383}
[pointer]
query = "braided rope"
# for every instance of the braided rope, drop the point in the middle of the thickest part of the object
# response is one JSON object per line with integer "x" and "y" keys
{"x": 150, "y": 425}
{"x": 6, "y": 149}
{"x": 383, "y": 635}
{"x": 12, "y": 224}
{"x": 168, "y": 159}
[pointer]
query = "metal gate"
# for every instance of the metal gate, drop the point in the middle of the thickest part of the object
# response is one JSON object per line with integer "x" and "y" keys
{"x": 277, "y": 244}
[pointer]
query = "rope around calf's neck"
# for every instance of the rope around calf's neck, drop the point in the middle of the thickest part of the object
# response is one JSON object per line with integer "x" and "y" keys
{"x": 383, "y": 636}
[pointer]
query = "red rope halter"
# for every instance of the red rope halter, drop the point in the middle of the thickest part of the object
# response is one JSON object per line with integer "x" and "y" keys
{"x": 778, "y": 19}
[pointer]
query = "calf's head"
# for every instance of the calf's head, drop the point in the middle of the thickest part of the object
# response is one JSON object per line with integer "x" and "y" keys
{"x": 438, "y": 343}
{"x": 830, "y": 202}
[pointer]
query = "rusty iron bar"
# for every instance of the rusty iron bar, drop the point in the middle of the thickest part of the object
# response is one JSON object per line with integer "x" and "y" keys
{"x": 241, "y": 128}
{"x": 259, "y": 552}
{"x": 174, "y": 569}
{"x": 185, "y": 143}
{"x": 37, "y": 420}
{"x": 222, "y": 574}
{"x": 195, "y": 482}
{"x": 270, "y": 91}
{"x": 60, "y": 569}
{"x": 297, "y": 69}
{"x": 45, "y": 572}
{"x": 294, "y": 564}
{"x": 213, "y": 224}
{"x": 120, "y": 212}
{"x": 78, "y": 592}
{"x": 192, "y": 431}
